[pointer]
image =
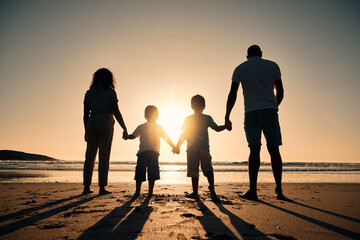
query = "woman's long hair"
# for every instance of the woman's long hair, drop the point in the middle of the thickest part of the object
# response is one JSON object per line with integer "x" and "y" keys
{"x": 103, "y": 78}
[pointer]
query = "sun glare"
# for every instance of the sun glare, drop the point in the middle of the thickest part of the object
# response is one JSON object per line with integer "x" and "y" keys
{"x": 171, "y": 119}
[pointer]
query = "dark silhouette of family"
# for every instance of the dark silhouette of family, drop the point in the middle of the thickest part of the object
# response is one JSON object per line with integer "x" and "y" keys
{"x": 258, "y": 78}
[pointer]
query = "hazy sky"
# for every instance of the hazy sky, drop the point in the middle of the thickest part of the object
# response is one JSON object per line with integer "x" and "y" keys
{"x": 163, "y": 53}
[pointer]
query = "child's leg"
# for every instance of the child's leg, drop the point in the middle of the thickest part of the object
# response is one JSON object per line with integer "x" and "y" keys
{"x": 153, "y": 170}
{"x": 210, "y": 177}
{"x": 195, "y": 185}
{"x": 193, "y": 170}
{"x": 138, "y": 188}
{"x": 151, "y": 187}
{"x": 140, "y": 172}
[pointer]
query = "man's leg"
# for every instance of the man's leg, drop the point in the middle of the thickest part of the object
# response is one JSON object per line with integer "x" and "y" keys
{"x": 276, "y": 164}
{"x": 254, "y": 165}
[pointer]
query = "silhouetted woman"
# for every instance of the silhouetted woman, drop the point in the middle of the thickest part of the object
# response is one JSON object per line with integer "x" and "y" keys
{"x": 100, "y": 105}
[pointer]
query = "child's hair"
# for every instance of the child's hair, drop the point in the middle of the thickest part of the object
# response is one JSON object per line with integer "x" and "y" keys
{"x": 198, "y": 102}
{"x": 150, "y": 111}
{"x": 103, "y": 77}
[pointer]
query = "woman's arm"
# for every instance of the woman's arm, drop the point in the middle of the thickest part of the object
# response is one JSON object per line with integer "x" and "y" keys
{"x": 86, "y": 117}
{"x": 118, "y": 116}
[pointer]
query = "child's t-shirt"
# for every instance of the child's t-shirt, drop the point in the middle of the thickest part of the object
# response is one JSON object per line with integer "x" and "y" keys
{"x": 150, "y": 134}
{"x": 195, "y": 129}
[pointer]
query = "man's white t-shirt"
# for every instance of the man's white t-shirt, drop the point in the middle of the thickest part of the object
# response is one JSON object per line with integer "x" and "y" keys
{"x": 150, "y": 134}
{"x": 257, "y": 77}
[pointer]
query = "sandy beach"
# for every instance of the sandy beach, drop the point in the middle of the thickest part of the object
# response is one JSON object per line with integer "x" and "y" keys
{"x": 58, "y": 211}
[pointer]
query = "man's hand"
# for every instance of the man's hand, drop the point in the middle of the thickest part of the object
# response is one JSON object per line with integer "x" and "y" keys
{"x": 228, "y": 124}
{"x": 85, "y": 137}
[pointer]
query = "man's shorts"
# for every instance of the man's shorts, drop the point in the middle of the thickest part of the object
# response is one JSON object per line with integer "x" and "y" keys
{"x": 265, "y": 120}
{"x": 196, "y": 155}
{"x": 149, "y": 160}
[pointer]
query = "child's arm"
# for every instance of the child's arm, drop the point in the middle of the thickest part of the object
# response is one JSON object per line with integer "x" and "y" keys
{"x": 179, "y": 143}
{"x": 220, "y": 128}
{"x": 134, "y": 135}
{"x": 168, "y": 140}
{"x": 130, "y": 136}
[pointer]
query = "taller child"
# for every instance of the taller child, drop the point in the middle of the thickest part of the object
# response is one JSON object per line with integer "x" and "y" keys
{"x": 195, "y": 131}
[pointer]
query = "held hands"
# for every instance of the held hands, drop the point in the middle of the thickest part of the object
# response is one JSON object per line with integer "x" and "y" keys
{"x": 125, "y": 135}
{"x": 228, "y": 124}
{"x": 176, "y": 150}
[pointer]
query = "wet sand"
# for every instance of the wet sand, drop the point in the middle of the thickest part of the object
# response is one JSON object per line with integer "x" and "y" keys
{"x": 58, "y": 211}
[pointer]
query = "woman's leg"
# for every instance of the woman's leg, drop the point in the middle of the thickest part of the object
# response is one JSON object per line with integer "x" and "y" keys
{"x": 105, "y": 140}
{"x": 91, "y": 150}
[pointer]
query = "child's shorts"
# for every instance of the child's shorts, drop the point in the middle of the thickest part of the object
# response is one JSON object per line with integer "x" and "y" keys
{"x": 196, "y": 155}
{"x": 149, "y": 160}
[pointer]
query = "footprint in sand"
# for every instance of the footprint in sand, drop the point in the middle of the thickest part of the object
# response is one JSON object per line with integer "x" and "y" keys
{"x": 181, "y": 236}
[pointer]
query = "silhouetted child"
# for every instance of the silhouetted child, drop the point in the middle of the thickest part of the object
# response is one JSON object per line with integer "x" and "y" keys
{"x": 148, "y": 154}
{"x": 195, "y": 132}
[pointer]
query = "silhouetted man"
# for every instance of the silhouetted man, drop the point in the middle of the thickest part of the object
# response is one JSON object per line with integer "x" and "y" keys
{"x": 258, "y": 78}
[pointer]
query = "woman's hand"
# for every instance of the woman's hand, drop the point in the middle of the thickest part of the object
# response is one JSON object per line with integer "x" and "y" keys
{"x": 125, "y": 135}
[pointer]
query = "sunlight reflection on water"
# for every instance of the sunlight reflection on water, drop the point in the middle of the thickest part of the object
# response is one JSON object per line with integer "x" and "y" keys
{"x": 177, "y": 177}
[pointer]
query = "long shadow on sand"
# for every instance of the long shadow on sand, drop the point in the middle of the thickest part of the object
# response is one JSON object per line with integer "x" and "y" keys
{"x": 339, "y": 230}
{"x": 244, "y": 229}
{"x": 119, "y": 224}
{"x": 325, "y": 211}
{"x": 35, "y": 209}
{"x": 33, "y": 219}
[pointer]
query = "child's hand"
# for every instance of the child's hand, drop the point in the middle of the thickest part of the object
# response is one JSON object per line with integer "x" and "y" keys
{"x": 125, "y": 135}
{"x": 176, "y": 150}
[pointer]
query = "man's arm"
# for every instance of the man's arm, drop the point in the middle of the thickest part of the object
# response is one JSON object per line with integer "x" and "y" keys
{"x": 279, "y": 91}
{"x": 231, "y": 102}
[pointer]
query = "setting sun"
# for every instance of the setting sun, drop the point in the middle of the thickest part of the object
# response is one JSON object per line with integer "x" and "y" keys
{"x": 171, "y": 119}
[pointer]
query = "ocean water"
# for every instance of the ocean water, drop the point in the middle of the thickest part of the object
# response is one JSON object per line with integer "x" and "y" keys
{"x": 175, "y": 172}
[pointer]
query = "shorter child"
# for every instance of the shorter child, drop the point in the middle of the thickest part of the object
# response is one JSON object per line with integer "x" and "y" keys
{"x": 148, "y": 154}
{"x": 195, "y": 132}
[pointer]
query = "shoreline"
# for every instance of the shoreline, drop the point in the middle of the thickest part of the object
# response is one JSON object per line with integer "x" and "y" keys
{"x": 60, "y": 176}
{"x": 58, "y": 211}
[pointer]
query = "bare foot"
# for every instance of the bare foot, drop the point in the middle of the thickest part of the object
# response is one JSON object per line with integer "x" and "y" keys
{"x": 280, "y": 196}
{"x": 86, "y": 191}
{"x": 250, "y": 196}
{"x": 192, "y": 196}
{"x": 213, "y": 195}
{"x": 104, "y": 192}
